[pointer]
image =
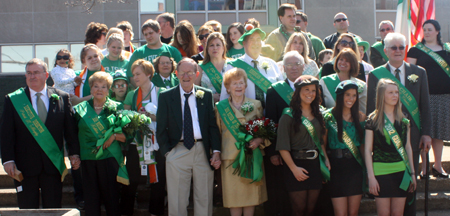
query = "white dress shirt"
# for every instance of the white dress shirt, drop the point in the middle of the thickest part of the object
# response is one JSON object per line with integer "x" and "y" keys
{"x": 401, "y": 73}
{"x": 194, "y": 114}
{"x": 291, "y": 84}
{"x": 273, "y": 74}
{"x": 164, "y": 79}
{"x": 44, "y": 98}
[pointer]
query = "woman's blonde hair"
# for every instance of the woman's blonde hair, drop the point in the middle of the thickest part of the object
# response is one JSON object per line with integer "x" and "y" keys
{"x": 114, "y": 30}
{"x": 119, "y": 38}
{"x": 234, "y": 74}
{"x": 305, "y": 53}
{"x": 378, "y": 114}
{"x": 101, "y": 76}
{"x": 211, "y": 37}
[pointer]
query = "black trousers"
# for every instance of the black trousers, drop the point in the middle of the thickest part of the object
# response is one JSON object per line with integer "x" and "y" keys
{"x": 50, "y": 191}
{"x": 77, "y": 185}
{"x": 128, "y": 192}
{"x": 100, "y": 186}
{"x": 158, "y": 190}
{"x": 278, "y": 198}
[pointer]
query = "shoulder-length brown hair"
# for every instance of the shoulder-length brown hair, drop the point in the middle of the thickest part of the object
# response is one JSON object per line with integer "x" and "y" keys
{"x": 158, "y": 59}
{"x": 211, "y": 37}
{"x": 187, "y": 32}
{"x": 378, "y": 114}
{"x": 354, "y": 47}
{"x": 351, "y": 57}
{"x": 302, "y": 41}
{"x": 239, "y": 27}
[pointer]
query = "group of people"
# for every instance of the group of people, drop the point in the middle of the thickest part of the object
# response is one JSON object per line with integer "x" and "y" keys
{"x": 345, "y": 127}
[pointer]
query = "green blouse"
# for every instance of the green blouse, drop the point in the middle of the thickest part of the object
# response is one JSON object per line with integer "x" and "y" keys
{"x": 349, "y": 127}
{"x": 86, "y": 138}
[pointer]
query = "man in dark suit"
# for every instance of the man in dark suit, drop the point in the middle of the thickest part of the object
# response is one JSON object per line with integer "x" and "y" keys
{"x": 187, "y": 134}
{"x": 403, "y": 72}
{"x": 23, "y": 150}
{"x": 278, "y": 198}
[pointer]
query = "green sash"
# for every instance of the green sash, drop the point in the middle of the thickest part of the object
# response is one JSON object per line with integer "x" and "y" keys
{"x": 312, "y": 132}
{"x": 332, "y": 81}
{"x": 157, "y": 80}
{"x": 284, "y": 90}
{"x": 230, "y": 120}
{"x": 213, "y": 75}
{"x": 389, "y": 129}
{"x": 38, "y": 129}
{"x": 380, "y": 48}
{"x": 408, "y": 100}
{"x": 253, "y": 74}
{"x": 98, "y": 128}
{"x": 436, "y": 57}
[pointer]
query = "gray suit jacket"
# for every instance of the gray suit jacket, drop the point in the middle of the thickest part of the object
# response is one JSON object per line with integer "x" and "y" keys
{"x": 420, "y": 92}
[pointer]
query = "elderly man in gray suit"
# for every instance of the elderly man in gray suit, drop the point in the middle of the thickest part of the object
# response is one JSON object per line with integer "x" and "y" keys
{"x": 413, "y": 90}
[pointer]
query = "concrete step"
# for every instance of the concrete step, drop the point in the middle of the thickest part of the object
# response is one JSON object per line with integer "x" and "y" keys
{"x": 8, "y": 197}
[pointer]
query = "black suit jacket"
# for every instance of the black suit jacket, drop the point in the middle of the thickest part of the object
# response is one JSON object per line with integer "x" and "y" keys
{"x": 170, "y": 123}
{"x": 18, "y": 144}
{"x": 420, "y": 92}
{"x": 274, "y": 109}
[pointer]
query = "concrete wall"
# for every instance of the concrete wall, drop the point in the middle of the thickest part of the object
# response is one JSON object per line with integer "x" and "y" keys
{"x": 40, "y": 21}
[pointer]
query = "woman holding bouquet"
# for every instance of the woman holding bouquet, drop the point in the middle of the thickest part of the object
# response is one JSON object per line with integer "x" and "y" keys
{"x": 145, "y": 95}
{"x": 301, "y": 130}
{"x": 345, "y": 136}
{"x": 239, "y": 193}
{"x": 388, "y": 153}
{"x": 101, "y": 168}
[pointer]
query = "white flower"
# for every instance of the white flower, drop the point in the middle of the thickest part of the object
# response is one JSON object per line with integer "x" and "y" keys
{"x": 413, "y": 78}
{"x": 199, "y": 94}
{"x": 265, "y": 65}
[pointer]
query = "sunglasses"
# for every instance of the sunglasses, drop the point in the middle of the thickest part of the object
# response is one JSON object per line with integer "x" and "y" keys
{"x": 298, "y": 21}
{"x": 340, "y": 20}
{"x": 201, "y": 37}
{"x": 120, "y": 86}
{"x": 394, "y": 48}
{"x": 346, "y": 43}
{"x": 65, "y": 57}
{"x": 385, "y": 30}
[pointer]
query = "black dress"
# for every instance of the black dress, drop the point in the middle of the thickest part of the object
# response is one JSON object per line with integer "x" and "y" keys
{"x": 384, "y": 152}
{"x": 328, "y": 69}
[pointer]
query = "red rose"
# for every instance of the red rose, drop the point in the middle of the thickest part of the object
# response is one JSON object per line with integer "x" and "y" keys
{"x": 264, "y": 118}
{"x": 250, "y": 122}
{"x": 255, "y": 129}
{"x": 247, "y": 128}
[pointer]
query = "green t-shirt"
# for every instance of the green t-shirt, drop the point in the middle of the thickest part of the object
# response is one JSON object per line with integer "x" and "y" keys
{"x": 235, "y": 53}
{"x": 148, "y": 54}
{"x": 112, "y": 66}
{"x": 333, "y": 141}
{"x": 317, "y": 44}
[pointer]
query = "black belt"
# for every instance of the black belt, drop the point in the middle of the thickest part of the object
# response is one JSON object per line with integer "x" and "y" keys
{"x": 304, "y": 154}
{"x": 341, "y": 153}
{"x": 195, "y": 140}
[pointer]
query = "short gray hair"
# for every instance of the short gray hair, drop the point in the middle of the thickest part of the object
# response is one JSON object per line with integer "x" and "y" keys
{"x": 385, "y": 22}
{"x": 38, "y": 62}
{"x": 394, "y": 36}
{"x": 293, "y": 53}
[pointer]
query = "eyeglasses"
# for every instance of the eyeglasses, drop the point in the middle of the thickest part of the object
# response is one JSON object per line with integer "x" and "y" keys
{"x": 394, "y": 48}
{"x": 187, "y": 73}
{"x": 340, "y": 20}
{"x": 120, "y": 86}
{"x": 298, "y": 21}
{"x": 385, "y": 30}
{"x": 290, "y": 66}
{"x": 65, "y": 57}
{"x": 201, "y": 37}
{"x": 346, "y": 43}
{"x": 165, "y": 63}
{"x": 104, "y": 33}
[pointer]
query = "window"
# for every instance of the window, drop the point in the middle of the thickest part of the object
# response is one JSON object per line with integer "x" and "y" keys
{"x": 47, "y": 53}
{"x": 297, "y": 3}
{"x": 386, "y": 4}
{"x": 152, "y": 6}
{"x": 200, "y": 5}
{"x": 14, "y": 58}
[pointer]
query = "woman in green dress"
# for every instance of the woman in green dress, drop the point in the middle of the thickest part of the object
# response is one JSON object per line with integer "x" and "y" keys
{"x": 114, "y": 60}
{"x": 101, "y": 172}
{"x": 145, "y": 96}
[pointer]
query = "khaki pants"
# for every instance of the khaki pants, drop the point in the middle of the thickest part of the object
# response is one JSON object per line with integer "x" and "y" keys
{"x": 181, "y": 166}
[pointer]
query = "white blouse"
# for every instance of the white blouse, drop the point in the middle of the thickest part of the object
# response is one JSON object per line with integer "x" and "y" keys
{"x": 64, "y": 79}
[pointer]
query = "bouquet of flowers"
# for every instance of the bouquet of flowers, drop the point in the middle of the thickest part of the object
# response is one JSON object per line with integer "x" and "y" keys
{"x": 248, "y": 163}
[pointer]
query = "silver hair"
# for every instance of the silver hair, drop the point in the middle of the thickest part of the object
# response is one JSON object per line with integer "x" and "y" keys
{"x": 394, "y": 36}
{"x": 385, "y": 22}
{"x": 293, "y": 53}
{"x": 38, "y": 62}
